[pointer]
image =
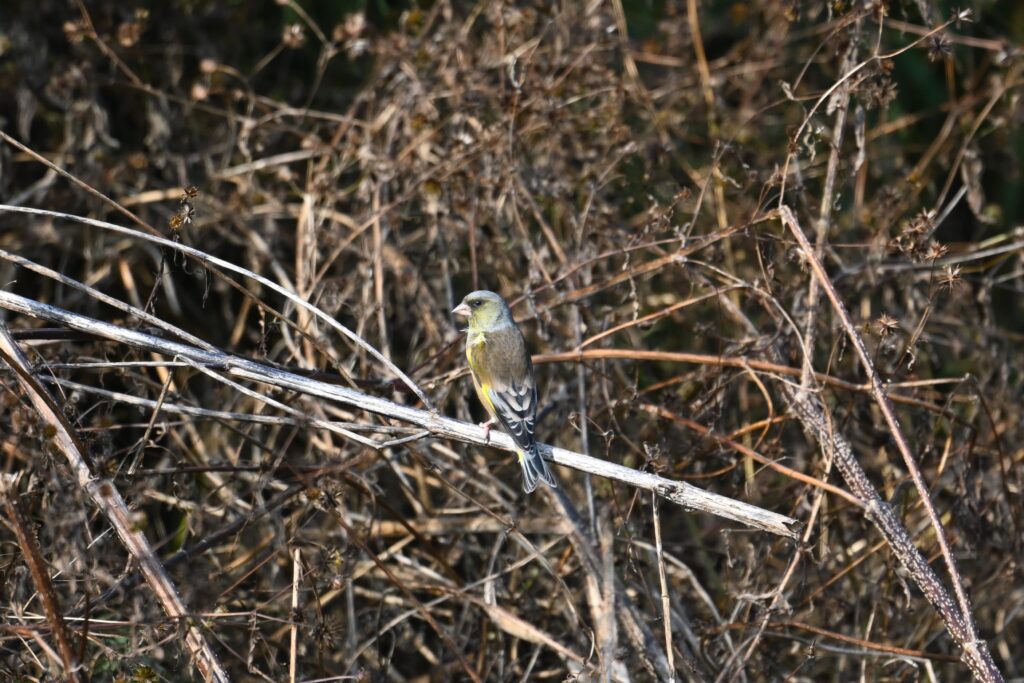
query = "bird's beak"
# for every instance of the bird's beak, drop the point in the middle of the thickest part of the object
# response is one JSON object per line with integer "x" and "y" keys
{"x": 461, "y": 309}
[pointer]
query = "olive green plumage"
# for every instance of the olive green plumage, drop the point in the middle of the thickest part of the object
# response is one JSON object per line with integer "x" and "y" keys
{"x": 503, "y": 377}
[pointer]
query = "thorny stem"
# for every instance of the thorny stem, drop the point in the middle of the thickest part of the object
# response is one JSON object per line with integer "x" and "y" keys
{"x": 960, "y": 621}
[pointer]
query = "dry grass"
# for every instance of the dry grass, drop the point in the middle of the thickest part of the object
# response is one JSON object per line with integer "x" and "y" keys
{"x": 766, "y": 250}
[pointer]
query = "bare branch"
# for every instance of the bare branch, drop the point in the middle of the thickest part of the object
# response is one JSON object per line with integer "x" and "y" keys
{"x": 681, "y": 493}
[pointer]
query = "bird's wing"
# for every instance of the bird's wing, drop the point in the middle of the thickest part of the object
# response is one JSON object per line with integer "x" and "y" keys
{"x": 515, "y": 405}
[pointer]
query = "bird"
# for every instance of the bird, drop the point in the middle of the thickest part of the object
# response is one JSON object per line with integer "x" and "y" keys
{"x": 503, "y": 378}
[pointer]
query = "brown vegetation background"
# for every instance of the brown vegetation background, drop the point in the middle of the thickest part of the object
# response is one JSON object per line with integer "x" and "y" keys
{"x": 610, "y": 167}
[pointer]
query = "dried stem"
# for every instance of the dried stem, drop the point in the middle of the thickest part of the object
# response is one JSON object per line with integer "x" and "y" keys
{"x": 108, "y": 499}
{"x": 41, "y": 577}
{"x": 959, "y": 621}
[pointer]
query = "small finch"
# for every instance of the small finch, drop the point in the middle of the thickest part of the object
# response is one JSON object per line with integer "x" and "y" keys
{"x": 503, "y": 378}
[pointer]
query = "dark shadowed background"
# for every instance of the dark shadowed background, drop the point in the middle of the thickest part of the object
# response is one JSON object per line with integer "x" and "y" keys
{"x": 607, "y": 167}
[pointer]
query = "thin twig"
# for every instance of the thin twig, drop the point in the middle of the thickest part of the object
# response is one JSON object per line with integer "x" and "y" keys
{"x": 296, "y": 579}
{"x": 666, "y": 613}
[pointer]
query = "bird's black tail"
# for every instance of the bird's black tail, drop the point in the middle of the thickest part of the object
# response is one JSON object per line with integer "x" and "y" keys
{"x": 535, "y": 469}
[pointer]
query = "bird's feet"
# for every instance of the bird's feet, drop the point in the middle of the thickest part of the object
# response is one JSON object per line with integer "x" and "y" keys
{"x": 487, "y": 430}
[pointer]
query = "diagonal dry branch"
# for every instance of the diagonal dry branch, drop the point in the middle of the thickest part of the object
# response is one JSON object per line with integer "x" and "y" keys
{"x": 109, "y": 500}
{"x": 681, "y": 493}
{"x": 813, "y": 415}
{"x": 958, "y": 618}
{"x": 210, "y": 260}
{"x": 39, "y": 570}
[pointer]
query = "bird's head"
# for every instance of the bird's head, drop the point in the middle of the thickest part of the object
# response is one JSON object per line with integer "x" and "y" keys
{"x": 485, "y": 310}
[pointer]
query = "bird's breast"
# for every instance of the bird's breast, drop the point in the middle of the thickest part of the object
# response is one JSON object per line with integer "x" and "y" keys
{"x": 476, "y": 354}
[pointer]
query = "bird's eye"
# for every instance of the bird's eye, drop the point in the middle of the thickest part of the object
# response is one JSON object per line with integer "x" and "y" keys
{"x": 474, "y": 304}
